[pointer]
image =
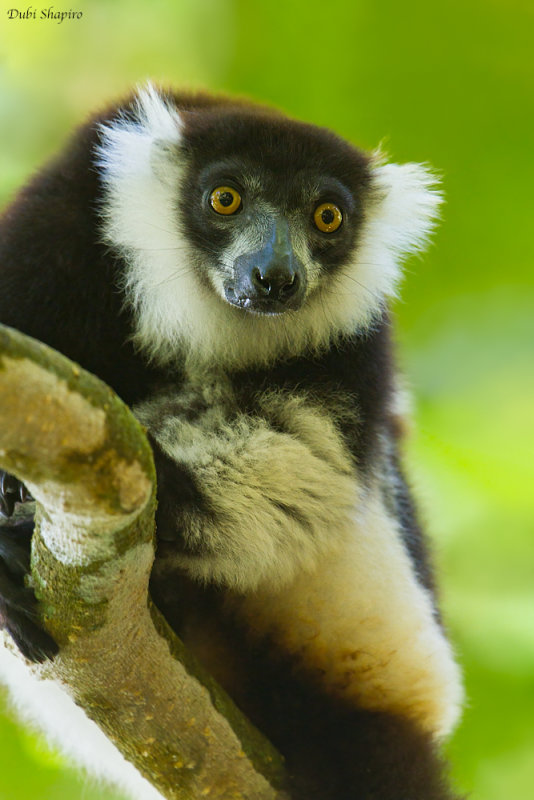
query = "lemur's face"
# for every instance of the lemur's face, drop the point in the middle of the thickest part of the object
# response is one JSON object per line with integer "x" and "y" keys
{"x": 273, "y": 206}
{"x": 246, "y": 236}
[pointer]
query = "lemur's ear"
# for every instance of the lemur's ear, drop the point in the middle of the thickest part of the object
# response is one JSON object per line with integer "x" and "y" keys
{"x": 401, "y": 213}
{"x": 406, "y": 206}
{"x": 139, "y": 163}
{"x": 133, "y": 149}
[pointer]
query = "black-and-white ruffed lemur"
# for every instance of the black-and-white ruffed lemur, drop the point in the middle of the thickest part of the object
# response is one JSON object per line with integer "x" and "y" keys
{"x": 227, "y": 271}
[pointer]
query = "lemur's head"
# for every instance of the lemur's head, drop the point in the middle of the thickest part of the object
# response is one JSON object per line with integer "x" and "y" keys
{"x": 247, "y": 236}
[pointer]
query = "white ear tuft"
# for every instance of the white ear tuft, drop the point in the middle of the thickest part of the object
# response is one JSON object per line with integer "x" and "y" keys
{"x": 128, "y": 147}
{"x": 402, "y": 212}
{"x": 140, "y": 167}
{"x": 407, "y": 206}
{"x": 155, "y": 114}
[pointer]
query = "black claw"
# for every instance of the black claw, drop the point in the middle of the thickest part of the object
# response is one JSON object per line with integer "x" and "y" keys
{"x": 7, "y": 505}
{"x": 9, "y": 484}
{"x": 11, "y": 491}
{"x": 24, "y": 494}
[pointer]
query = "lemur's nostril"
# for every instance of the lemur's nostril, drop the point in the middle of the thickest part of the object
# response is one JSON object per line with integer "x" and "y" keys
{"x": 260, "y": 281}
{"x": 290, "y": 286}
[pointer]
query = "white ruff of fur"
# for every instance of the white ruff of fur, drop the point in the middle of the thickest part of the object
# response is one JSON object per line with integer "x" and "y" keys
{"x": 177, "y": 315}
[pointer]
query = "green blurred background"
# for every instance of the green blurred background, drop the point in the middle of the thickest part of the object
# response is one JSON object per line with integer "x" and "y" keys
{"x": 449, "y": 83}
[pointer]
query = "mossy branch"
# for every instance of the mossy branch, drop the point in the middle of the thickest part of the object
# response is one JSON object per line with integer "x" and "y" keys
{"x": 87, "y": 462}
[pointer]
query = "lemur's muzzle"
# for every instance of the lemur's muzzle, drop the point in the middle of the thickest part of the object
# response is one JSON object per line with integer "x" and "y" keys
{"x": 271, "y": 280}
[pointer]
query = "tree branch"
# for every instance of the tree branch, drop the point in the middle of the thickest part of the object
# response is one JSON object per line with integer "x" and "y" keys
{"x": 87, "y": 462}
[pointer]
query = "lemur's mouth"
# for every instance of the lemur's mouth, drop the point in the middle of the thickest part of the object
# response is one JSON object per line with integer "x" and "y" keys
{"x": 265, "y": 306}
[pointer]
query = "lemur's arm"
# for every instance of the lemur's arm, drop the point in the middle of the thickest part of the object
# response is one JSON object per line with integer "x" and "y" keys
{"x": 248, "y": 499}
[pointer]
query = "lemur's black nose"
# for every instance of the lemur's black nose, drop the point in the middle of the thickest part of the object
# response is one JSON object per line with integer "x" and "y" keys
{"x": 275, "y": 282}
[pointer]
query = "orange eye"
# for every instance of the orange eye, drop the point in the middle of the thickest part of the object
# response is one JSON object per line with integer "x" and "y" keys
{"x": 327, "y": 217}
{"x": 225, "y": 200}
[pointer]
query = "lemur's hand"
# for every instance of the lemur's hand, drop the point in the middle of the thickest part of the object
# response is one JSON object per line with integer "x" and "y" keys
{"x": 18, "y": 606}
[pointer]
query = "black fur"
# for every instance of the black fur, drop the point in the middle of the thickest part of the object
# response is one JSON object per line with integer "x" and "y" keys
{"x": 62, "y": 285}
